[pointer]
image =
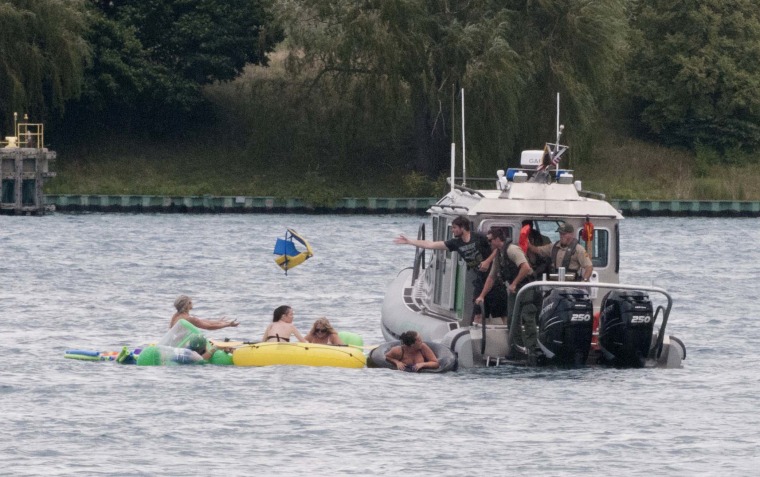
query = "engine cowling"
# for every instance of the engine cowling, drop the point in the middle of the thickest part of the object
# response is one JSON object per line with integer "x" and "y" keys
{"x": 566, "y": 325}
{"x": 626, "y": 324}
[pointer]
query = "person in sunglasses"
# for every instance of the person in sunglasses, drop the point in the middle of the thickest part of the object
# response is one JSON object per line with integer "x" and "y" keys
{"x": 322, "y": 332}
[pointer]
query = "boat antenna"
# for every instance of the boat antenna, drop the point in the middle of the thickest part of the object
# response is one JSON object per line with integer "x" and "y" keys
{"x": 453, "y": 144}
{"x": 464, "y": 161}
{"x": 559, "y": 127}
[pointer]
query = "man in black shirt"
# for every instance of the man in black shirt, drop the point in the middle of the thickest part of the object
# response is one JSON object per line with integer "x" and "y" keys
{"x": 471, "y": 246}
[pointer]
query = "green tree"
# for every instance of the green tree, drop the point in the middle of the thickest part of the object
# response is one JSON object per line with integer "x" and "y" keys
{"x": 43, "y": 57}
{"x": 509, "y": 56}
{"x": 695, "y": 75}
{"x": 153, "y": 57}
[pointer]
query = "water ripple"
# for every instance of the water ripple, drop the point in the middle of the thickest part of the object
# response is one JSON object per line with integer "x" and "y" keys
{"x": 96, "y": 281}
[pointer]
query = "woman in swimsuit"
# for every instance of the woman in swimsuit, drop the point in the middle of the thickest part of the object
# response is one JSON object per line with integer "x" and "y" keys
{"x": 413, "y": 355}
{"x": 281, "y": 327}
{"x": 184, "y": 304}
{"x": 322, "y": 332}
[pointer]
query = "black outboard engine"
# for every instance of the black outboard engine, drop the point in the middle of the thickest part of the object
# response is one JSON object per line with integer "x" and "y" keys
{"x": 626, "y": 324}
{"x": 565, "y": 326}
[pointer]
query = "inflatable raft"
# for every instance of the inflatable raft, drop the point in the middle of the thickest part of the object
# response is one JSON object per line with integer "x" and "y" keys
{"x": 447, "y": 361}
{"x": 298, "y": 354}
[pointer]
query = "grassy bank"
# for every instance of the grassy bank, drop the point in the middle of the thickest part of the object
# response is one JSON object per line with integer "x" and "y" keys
{"x": 622, "y": 168}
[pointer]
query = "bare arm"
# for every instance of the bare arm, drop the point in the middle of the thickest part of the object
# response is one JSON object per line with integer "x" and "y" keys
{"x": 335, "y": 340}
{"x": 487, "y": 262}
{"x": 298, "y": 334}
{"x": 211, "y": 324}
{"x": 431, "y": 362}
{"x": 525, "y": 270}
{"x": 394, "y": 357}
{"x": 486, "y": 288}
{"x": 427, "y": 244}
{"x": 266, "y": 333}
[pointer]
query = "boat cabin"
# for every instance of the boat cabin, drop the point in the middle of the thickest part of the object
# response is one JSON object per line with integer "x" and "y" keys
{"x": 544, "y": 199}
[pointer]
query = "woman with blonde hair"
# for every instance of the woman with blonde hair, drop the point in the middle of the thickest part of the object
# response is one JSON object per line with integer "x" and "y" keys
{"x": 184, "y": 304}
{"x": 322, "y": 332}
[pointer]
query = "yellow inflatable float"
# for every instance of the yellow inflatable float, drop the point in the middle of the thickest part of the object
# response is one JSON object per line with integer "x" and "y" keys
{"x": 298, "y": 354}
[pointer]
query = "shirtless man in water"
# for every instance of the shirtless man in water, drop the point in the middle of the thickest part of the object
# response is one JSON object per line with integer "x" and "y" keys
{"x": 413, "y": 355}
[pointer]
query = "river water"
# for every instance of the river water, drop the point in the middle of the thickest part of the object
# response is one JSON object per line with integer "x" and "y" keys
{"x": 99, "y": 282}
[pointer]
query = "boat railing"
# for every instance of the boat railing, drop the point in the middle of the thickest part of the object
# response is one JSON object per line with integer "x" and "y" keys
{"x": 419, "y": 255}
{"x": 464, "y": 188}
{"x": 589, "y": 286}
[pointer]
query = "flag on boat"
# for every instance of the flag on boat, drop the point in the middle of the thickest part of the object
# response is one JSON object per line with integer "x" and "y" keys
{"x": 287, "y": 254}
{"x": 551, "y": 156}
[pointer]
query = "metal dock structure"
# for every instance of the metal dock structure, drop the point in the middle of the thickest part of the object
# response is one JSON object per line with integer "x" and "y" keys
{"x": 24, "y": 168}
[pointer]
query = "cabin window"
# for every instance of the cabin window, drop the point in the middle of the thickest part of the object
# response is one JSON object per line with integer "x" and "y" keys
{"x": 600, "y": 247}
{"x": 489, "y": 224}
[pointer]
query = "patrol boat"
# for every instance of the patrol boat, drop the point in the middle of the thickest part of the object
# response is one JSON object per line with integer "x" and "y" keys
{"x": 600, "y": 321}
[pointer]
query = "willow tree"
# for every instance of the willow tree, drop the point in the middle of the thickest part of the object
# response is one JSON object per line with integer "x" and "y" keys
{"x": 509, "y": 56}
{"x": 43, "y": 57}
{"x": 696, "y": 72}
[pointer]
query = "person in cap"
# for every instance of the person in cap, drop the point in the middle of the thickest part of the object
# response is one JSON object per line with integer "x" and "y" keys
{"x": 566, "y": 252}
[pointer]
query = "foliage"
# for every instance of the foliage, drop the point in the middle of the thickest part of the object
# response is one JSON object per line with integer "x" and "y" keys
{"x": 43, "y": 57}
{"x": 153, "y": 57}
{"x": 696, "y": 71}
{"x": 505, "y": 55}
{"x": 201, "y": 41}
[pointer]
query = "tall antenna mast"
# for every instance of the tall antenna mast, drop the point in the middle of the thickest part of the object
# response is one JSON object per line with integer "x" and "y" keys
{"x": 453, "y": 143}
{"x": 559, "y": 127}
{"x": 464, "y": 160}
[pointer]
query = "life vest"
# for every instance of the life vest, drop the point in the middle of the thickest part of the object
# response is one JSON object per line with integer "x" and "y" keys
{"x": 508, "y": 270}
{"x": 571, "y": 250}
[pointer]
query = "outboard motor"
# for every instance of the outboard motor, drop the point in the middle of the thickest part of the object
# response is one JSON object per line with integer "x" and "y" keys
{"x": 566, "y": 325}
{"x": 626, "y": 324}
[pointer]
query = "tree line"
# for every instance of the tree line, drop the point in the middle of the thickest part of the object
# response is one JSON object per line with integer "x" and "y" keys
{"x": 679, "y": 72}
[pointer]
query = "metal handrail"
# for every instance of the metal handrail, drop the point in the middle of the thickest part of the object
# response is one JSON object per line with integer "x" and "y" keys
{"x": 612, "y": 286}
{"x": 465, "y": 188}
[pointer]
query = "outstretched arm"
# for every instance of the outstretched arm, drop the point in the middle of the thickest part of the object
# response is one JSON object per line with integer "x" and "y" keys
{"x": 211, "y": 324}
{"x": 427, "y": 244}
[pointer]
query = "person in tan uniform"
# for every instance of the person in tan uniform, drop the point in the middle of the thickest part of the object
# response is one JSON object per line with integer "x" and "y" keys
{"x": 567, "y": 252}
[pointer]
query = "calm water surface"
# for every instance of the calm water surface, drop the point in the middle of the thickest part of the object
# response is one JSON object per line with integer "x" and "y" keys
{"x": 103, "y": 281}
